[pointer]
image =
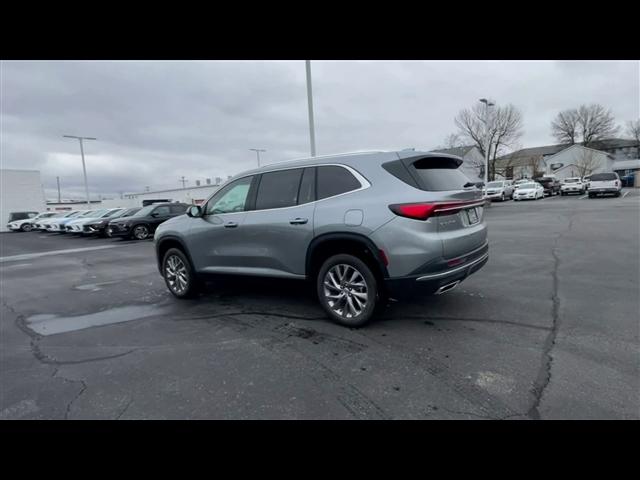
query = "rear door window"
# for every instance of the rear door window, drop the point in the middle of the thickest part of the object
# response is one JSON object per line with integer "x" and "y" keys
{"x": 178, "y": 209}
{"x": 162, "y": 211}
{"x": 333, "y": 180}
{"x": 278, "y": 189}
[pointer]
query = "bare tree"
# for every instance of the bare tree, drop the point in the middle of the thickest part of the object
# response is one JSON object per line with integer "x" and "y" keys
{"x": 596, "y": 123}
{"x": 586, "y": 162}
{"x": 565, "y": 126}
{"x": 504, "y": 129}
{"x": 453, "y": 141}
{"x": 633, "y": 130}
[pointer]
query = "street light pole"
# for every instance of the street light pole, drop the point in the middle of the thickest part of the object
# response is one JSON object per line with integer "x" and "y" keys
{"x": 84, "y": 167}
{"x": 312, "y": 132}
{"x": 487, "y": 142}
{"x": 258, "y": 150}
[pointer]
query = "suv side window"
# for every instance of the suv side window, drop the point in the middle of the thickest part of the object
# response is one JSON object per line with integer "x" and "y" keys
{"x": 334, "y": 180}
{"x": 278, "y": 189}
{"x": 232, "y": 198}
{"x": 162, "y": 211}
{"x": 178, "y": 209}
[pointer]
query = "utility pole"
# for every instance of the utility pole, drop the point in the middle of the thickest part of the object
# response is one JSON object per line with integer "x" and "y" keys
{"x": 183, "y": 181}
{"x": 258, "y": 150}
{"x": 59, "y": 198}
{"x": 487, "y": 141}
{"x": 312, "y": 132}
{"x": 84, "y": 168}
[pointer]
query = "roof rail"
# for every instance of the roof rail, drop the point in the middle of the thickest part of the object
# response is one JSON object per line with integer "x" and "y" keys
{"x": 344, "y": 154}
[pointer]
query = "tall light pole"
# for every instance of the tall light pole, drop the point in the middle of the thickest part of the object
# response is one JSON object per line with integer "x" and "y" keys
{"x": 258, "y": 150}
{"x": 487, "y": 142}
{"x": 84, "y": 168}
{"x": 312, "y": 130}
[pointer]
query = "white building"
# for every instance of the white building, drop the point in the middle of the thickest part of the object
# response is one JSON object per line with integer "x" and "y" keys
{"x": 20, "y": 191}
{"x": 578, "y": 161}
{"x": 191, "y": 195}
{"x": 473, "y": 166}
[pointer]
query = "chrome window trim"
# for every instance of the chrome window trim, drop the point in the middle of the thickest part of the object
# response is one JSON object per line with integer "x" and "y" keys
{"x": 364, "y": 184}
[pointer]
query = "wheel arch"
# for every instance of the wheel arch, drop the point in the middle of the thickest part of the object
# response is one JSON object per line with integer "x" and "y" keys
{"x": 167, "y": 242}
{"x": 328, "y": 244}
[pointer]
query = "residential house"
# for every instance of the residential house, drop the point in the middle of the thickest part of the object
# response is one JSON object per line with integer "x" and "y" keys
{"x": 473, "y": 166}
{"x": 578, "y": 161}
{"x": 527, "y": 162}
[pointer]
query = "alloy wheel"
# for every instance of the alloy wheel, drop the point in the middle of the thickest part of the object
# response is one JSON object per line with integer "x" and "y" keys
{"x": 176, "y": 274}
{"x": 141, "y": 232}
{"x": 345, "y": 291}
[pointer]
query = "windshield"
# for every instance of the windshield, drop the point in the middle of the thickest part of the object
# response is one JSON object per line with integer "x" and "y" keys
{"x": 527, "y": 185}
{"x": 113, "y": 213}
{"x": 143, "y": 212}
{"x": 129, "y": 212}
{"x": 494, "y": 184}
{"x": 571, "y": 180}
{"x": 599, "y": 177}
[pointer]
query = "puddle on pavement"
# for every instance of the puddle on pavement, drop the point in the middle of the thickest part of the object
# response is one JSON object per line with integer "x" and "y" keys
{"x": 93, "y": 287}
{"x": 50, "y": 324}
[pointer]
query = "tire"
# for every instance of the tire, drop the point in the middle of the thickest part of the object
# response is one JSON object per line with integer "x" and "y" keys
{"x": 502, "y": 197}
{"x": 329, "y": 283}
{"x": 591, "y": 195}
{"x": 140, "y": 232}
{"x": 179, "y": 275}
{"x": 617, "y": 194}
{"x": 26, "y": 227}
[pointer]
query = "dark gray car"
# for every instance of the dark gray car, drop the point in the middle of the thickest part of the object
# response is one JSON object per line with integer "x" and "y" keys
{"x": 362, "y": 226}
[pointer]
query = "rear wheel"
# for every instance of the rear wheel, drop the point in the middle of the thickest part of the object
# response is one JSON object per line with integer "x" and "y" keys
{"x": 502, "y": 197}
{"x": 140, "y": 232}
{"x": 348, "y": 290}
{"x": 179, "y": 275}
{"x": 26, "y": 227}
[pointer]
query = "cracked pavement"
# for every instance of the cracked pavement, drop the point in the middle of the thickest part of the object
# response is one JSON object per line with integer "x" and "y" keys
{"x": 548, "y": 329}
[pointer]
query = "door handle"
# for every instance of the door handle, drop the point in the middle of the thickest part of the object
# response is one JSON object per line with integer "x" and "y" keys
{"x": 230, "y": 225}
{"x": 298, "y": 221}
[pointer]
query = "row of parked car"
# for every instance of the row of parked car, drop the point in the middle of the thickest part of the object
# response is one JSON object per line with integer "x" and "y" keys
{"x": 533, "y": 189}
{"x": 136, "y": 223}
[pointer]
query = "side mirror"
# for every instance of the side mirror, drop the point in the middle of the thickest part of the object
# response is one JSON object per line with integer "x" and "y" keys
{"x": 194, "y": 211}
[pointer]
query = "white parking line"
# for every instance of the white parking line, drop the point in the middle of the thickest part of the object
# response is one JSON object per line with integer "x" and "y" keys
{"x": 625, "y": 194}
{"x": 584, "y": 196}
{"x": 28, "y": 256}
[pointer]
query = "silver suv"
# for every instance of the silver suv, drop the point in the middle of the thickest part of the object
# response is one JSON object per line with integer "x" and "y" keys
{"x": 362, "y": 226}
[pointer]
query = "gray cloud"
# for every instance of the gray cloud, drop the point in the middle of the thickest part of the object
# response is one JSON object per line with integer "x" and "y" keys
{"x": 157, "y": 121}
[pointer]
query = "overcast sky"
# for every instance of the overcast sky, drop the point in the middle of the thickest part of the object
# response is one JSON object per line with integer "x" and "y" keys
{"x": 157, "y": 121}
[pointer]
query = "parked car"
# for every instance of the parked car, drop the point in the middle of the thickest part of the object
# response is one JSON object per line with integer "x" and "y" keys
{"x": 99, "y": 226}
{"x": 27, "y": 224}
{"x": 360, "y": 226}
{"x": 15, "y": 216}
{"x": 586, "y": 181}
{"x": 499, "y": 190}
{"x": 56, "y": 224}
{"x": 604, "y": 183}
{"x": 517, "y": 183}
{"x": 143, "y": 223}
{"x": 572, "y": 185}
{"x": 77, "y": 226}
{"x": 550, "y": 184}
{"x": 529, "y": 191}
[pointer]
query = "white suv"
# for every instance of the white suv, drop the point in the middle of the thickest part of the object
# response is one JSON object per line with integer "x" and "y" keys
{"x": 602, "y": 183}
{"x": 572, "y": 185}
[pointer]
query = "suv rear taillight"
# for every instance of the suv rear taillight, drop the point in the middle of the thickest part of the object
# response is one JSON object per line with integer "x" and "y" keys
{"x": 422, "y": 211}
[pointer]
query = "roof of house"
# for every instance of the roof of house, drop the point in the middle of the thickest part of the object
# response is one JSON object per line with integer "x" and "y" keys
{"x": 633, "y": 164}
{"x": 613, "y": 143}
{"x": 457, "y": 151}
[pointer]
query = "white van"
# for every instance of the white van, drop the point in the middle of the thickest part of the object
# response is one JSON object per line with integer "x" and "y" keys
{"x": 603, "y": 183}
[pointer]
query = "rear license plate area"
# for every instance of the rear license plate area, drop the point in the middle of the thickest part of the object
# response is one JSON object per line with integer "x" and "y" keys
{"x": 472, "y": 215}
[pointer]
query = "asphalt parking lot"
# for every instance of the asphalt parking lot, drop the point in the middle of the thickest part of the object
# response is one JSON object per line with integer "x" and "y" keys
{"x": 548, "y": 329}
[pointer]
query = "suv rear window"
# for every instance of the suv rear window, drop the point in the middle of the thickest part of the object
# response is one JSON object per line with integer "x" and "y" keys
{"x": 334, "y": 180}
{"x": 601, "y": 177}
{"x": 429, "y": 173}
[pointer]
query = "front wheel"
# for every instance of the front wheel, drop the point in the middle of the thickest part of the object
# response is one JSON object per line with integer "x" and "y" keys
{"x": 140, "y": 232}
{"x": 348, "y": 290}
{"x": 26, "y": 227}
{"x": 179, "y": 275}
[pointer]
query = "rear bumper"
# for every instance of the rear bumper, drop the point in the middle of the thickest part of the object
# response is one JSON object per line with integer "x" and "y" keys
{"x": 604, "y": 190}
{"x": 419, "y": 285}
